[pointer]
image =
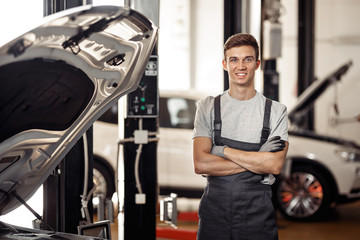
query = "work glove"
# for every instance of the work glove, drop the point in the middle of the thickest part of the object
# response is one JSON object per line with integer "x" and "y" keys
{"x": 268, "y": 179}
{"x": 218, "y": 151}
{"x": 273, "y": 144}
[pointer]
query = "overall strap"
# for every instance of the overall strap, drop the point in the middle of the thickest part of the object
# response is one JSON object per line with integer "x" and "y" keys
{"x": 217, "y": 121}
{"x": 266, "y": 124}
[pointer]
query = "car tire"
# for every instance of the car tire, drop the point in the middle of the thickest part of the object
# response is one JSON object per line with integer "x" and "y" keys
{"x": 103, "y": 178}
{"x": 305, "y": 196}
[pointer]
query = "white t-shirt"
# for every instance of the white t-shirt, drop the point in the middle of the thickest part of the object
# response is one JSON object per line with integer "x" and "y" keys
{"x": 241, "y": 120}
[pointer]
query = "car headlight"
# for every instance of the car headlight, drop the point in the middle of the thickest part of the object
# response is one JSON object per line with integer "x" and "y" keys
{"x": 348, "y": 154}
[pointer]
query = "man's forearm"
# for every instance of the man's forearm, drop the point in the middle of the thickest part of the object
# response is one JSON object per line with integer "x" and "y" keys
{"x": 258, "y": 162}
{"x": 216, "y": 166}
{"x": 210, "y": 164}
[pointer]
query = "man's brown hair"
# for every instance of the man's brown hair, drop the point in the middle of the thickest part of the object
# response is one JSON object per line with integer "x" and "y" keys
{"x": 241, "y": 39}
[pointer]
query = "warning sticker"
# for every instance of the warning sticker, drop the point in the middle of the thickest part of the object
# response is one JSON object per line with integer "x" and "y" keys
{"x": 151, "y": 69}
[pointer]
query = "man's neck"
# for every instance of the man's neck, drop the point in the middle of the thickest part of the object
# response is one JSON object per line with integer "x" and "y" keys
{"x": 242, "y": 94}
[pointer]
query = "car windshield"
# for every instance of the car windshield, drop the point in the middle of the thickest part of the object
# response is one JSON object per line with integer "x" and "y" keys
{"x": 177, "y": 113}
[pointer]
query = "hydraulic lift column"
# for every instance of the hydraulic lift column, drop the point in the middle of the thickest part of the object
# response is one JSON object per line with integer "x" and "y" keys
{"x": 62, "y": 190}
{"x": 140, "y": 156}
{"x": 306, "y": 52}
{"x": 271, "y": 45}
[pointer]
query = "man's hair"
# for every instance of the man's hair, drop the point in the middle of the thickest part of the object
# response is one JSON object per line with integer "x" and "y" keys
{"x": 241, "y": 39}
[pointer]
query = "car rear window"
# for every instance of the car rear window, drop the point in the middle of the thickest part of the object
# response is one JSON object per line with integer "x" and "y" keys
{"x": 177, "y": 113}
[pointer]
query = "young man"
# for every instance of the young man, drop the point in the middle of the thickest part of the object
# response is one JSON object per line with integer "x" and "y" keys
{"x": 240, "y": 140}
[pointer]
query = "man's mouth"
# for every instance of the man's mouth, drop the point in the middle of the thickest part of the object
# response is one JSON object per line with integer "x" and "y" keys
{"x": 241, "y": 74}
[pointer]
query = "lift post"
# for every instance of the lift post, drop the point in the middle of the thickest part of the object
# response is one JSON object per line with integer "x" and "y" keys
{"x": 140, "y": 156}
{"x": 62, "y": 190}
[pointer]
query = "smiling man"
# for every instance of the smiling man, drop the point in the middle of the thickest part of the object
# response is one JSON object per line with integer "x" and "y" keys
{"x": 240, "y": 140}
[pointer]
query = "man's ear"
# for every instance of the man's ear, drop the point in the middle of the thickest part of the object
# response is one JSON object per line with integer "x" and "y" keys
{"x": 224, "y": 63}
{"x": 257, "y": 64}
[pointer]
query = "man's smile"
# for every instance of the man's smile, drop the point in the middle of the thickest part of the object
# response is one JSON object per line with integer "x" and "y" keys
{"x": 241, "y": 74}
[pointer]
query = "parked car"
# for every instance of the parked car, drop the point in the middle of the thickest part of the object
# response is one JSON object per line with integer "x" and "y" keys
{"x": 56, "y": 81}
{"x": 320, "y": 170}
{"x": 175, "y": 167}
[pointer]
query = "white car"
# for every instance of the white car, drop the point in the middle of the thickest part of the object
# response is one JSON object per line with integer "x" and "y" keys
{"x": 175, "y": 166}
{"x": 319, "y": 171}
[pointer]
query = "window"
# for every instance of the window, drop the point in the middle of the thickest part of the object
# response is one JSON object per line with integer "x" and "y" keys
{"x": 174, "y": 113}
{"x": 177, "y": 113}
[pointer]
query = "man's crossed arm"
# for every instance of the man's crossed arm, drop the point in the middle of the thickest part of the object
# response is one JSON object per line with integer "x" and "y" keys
{"x": 221, "y": 161}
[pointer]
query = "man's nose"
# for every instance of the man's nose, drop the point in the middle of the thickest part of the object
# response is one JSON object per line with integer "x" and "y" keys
{"x": 241, "y": 64}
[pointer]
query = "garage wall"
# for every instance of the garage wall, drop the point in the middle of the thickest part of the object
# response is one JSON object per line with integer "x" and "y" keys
{"x": 208, "y": 30}
{"x": 190, "y": 45}
{"x": 174, "y": 45}
{"x": 287, "y": 63}
{"x": 338, "y": 41}
{"x": 15, "y": 18}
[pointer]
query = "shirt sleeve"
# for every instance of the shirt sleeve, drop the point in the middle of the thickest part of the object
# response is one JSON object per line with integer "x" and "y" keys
{"x": 279, "y": 122}
{"x": 203, "y": 119}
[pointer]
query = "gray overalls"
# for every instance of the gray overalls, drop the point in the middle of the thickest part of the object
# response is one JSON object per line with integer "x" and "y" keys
{"x": 238, "y": 206}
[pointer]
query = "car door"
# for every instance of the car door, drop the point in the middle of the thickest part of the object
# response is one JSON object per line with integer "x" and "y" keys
{"x": 175, "y": 166}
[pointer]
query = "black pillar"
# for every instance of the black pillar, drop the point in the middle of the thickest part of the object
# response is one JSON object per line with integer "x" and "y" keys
{"x": 271, "y": 79}
{"x": 62, "y": 190}
{"x": 306, "y": 59}
{"x": 232, "y": 25}
{"x": 140, "y": 219}
{"x": 72, "y": 184}
{"x": 53, "y": 6}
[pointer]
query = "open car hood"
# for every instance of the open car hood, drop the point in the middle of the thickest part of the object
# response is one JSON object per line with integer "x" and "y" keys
{"x": 316, "y": 89}
{"x": 56, "y": 80}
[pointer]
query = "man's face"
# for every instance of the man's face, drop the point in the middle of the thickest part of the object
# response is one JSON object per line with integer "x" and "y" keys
{"x": 241, "y": 65}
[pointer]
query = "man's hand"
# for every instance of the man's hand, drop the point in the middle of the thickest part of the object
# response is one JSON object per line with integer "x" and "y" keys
{"x": 274, "y": 144}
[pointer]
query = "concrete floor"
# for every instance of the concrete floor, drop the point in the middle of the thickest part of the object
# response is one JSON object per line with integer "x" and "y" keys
{"x": 342, "y": 222}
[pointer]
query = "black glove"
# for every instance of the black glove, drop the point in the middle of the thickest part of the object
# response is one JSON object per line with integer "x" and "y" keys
{"x": 273, "y": 144}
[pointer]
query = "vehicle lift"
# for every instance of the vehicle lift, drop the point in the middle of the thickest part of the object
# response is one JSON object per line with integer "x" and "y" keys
{"x": 137, "y": 215}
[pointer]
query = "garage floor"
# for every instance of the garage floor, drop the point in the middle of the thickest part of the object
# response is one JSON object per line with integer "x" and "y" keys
{"x": 343, "y": 222}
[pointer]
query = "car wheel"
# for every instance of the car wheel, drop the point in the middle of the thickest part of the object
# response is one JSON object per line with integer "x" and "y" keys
{"x": 104, "y": 180}
{"x": 304, "y": 196}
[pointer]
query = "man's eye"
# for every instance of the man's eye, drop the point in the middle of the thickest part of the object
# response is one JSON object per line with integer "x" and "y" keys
{"x": 248, "y": 60}
{"x": 233, "y": 60}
